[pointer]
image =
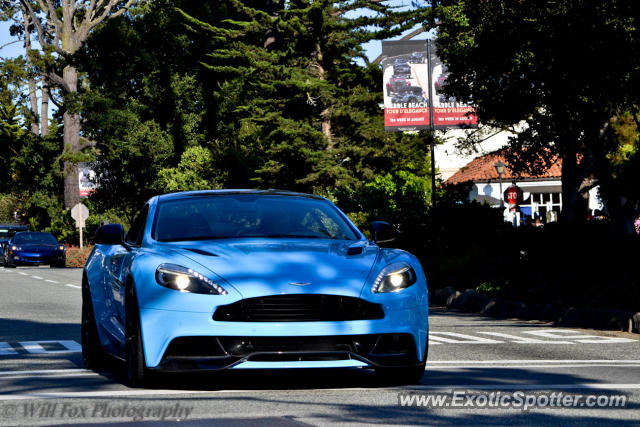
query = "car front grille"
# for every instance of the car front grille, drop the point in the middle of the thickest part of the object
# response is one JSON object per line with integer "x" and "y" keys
{"x": 201, "y": 352}
{"x": 299, "y": 308}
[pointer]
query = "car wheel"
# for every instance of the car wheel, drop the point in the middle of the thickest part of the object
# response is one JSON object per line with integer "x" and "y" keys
{"x": 136, "y": 368}
{"x": 93, "y": 355}
{"x": 404, "y": 375}
{"x": 8, "y": 262}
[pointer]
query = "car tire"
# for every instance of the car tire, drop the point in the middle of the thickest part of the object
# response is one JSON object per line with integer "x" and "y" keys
{"x": 8, "y": 263}
{"x": 404, "y": 375}
{"x": 137, "y": 372}
{"x": 93, "y": 355}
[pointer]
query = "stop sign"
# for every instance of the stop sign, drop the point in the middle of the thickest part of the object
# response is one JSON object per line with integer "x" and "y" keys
{"x": 513, "y": 195}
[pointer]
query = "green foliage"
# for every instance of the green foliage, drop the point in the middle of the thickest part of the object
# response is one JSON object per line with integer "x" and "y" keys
{"x": 228, "y": 111}
{"x": 8, "y": 205}
{"x": 533, "y": 62}
{"x": 194, "y": 172}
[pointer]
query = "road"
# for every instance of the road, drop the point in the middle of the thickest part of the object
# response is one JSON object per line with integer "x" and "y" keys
{"x": 42, "y": 380}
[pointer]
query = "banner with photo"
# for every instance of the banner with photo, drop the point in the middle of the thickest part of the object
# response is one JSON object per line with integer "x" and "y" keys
{"x": 86, "y": 179}
{"x": 447, "y": 111}
{"x": 413, "y": 77}
{"x": 406, "y": 85}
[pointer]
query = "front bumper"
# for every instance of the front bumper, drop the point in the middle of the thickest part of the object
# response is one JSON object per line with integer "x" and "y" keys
{"x": 28, "y": 258}
{"x": 186, "y": 341}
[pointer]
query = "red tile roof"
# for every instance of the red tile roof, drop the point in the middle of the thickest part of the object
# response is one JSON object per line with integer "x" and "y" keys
{"x": 482, "y": 169}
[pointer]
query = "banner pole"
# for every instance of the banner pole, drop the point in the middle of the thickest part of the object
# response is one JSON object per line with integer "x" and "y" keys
{"x": 431, "y": 126}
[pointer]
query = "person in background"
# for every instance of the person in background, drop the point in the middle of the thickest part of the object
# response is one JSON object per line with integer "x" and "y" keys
{"x": 636, "y": 224}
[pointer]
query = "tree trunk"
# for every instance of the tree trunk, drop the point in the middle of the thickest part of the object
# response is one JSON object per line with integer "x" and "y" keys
{"x": 570, "y": 180}
{"x": 44, "y": 111}
{"x": 71, "y": 141}
{"x": 33, "y": 98}
{"x": 271, "y": 37}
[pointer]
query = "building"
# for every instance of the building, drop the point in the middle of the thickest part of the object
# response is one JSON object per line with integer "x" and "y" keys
{"x": 542, "y": 194}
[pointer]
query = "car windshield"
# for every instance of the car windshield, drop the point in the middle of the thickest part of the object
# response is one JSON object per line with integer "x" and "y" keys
{"x": 34, "y": 238}
{"x": 249, "y": 215}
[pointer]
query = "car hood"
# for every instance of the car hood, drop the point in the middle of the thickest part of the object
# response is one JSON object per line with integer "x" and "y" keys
{"x": 257, "y": 267}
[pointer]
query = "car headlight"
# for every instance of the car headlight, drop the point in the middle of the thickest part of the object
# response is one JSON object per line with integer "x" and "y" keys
{"x": 16, "y": 248}
{"x": 184, "y": 279}
{"x": 61, "y": 248}
{"x": 394, "y": 278}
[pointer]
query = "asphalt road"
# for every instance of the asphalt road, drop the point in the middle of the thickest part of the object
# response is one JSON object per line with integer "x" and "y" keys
{"x": 481, "y": 360}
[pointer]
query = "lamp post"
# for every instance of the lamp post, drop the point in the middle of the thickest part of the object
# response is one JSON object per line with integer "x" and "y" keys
{"x": 500, "y": 170}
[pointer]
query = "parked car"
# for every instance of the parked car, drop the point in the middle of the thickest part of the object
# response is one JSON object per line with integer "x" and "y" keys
{"x": 401, "y": 67}
{"x": 34, "y": 248}
{"x": 397, "y": 84}
{"x": 7, "y": 231}
{"x": 244, "y": 279}
{"x": 418, "y": 58}
{"x": 411, "y": 94}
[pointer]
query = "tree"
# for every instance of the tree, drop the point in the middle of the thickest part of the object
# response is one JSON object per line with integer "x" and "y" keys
{"x": 565, "y": 68}
{"x": 62, "y": 28}
{"x": 297, "y": 112}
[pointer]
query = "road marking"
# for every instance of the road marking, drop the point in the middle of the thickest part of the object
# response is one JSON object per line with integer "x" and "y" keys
{"x": 73, "y": 286}
{"x": 525, "y": 361}
{"x": 524, "y": 340}
{"x": 582, "y": 338}
{"x": 6, "y": 349}
{"x": 22, "y": 273}
{"x": 465, "y": 339}
{"x": 46, "y": 371}
{"x": 35, "y": 347}
{"x": 37, "y": 277}
{"x": 488, "y": 386}
{"x": 51, "y": 281}
{"x": 112, "y": 393}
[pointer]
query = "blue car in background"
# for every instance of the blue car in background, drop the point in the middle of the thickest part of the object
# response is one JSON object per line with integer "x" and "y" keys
{"x": 7, "y": 231}
{"x": 34, "y": 248}
{"x": 248, "y": 279}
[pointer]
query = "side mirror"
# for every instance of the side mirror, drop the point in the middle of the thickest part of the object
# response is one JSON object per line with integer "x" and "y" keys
{"x": 382, "y": 232}
{"x": 110, "y": 234}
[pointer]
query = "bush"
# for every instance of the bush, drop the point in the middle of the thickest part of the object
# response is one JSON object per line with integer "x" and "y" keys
{"x": 77, "y": 258}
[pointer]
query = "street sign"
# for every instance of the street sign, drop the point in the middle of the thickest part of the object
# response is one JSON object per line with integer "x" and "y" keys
{"x": 80, "y": 213}
{"x": 513, "y": 195}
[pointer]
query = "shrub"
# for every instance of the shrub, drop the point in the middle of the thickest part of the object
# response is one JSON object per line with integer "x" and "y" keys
{"x": 77, "y": 258}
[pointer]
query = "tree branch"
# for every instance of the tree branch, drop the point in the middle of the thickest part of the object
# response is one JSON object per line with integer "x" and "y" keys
{"x": 59, "y": 81}
{"x": 107, "y": 9}
{"x": 27, "y": 6}
{"x": 86, "y": 144}
{"x": 56, "y": 102}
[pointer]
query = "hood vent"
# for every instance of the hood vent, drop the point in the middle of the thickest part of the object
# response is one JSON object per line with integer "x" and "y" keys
{"x": 200, "y": 251}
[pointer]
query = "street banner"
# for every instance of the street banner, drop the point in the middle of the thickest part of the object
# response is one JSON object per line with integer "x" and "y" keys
{"x": 413, "y": 78}
{"x": 406, "y": 85}
{"x": 86, "y": 179}
{"x": 447, "y": 111}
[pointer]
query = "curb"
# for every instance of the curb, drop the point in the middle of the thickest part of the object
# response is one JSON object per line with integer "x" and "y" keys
{"x": 583, "y": 317}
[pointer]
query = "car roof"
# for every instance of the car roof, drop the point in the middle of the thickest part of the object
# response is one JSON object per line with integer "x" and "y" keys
{"x": 205, "y": 193}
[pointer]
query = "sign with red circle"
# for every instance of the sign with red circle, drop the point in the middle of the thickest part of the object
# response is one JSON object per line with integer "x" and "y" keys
{"x": 513, "y": 195}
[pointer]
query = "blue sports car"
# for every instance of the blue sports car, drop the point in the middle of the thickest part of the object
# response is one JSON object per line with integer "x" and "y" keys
{"x": 34, "y": 248}
{"x": 248, "y": 279}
